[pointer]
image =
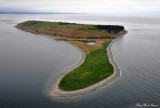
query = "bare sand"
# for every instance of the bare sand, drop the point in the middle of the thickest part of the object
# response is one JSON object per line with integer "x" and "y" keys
{"x": 57, "y": 92}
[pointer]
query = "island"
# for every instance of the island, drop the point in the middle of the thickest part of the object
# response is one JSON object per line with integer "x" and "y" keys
{"x": 97, "y": 67}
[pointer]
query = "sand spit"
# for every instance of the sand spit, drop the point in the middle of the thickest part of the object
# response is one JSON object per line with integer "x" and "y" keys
{"x": 57, "y": 92}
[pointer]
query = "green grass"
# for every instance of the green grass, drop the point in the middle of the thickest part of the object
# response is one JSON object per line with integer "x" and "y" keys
{"x": 75, "y": 27}
{"x": 95, "y": 68}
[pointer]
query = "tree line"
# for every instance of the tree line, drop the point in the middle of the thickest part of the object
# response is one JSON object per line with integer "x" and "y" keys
{"x": 110, "y": 28}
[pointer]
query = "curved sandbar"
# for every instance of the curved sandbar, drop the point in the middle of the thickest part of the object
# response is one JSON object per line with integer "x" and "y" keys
{"x": 57, "y": 92}
{"x": 67, "y": 31}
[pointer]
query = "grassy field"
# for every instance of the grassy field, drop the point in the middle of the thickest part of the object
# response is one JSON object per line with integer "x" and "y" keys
{"x": 105, "y": 30}
{"x": 95, "y": 68}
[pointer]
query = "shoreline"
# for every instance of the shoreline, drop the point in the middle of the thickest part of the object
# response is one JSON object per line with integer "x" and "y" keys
{"x": 57, "y": 92}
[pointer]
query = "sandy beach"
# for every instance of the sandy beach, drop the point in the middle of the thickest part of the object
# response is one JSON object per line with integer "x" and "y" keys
{"x": 57, "y": 92}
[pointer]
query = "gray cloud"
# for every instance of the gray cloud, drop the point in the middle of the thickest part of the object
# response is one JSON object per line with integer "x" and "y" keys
{"x": 89, "y": 6}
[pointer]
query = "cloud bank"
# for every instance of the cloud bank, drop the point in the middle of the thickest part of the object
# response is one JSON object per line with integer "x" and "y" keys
{"x": 86, "y": 6}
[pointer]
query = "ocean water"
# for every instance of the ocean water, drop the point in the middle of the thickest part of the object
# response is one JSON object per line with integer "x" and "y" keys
{"x": 30, "y": 63}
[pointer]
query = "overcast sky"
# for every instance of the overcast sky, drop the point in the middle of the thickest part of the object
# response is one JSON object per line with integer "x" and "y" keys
{"x": 86, "y": 6}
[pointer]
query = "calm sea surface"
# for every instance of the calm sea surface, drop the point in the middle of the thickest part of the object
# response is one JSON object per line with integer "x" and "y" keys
{"x": 30, "y": 63}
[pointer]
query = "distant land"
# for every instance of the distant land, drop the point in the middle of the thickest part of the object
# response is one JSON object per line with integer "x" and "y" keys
{"x": 27, "y": 11}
